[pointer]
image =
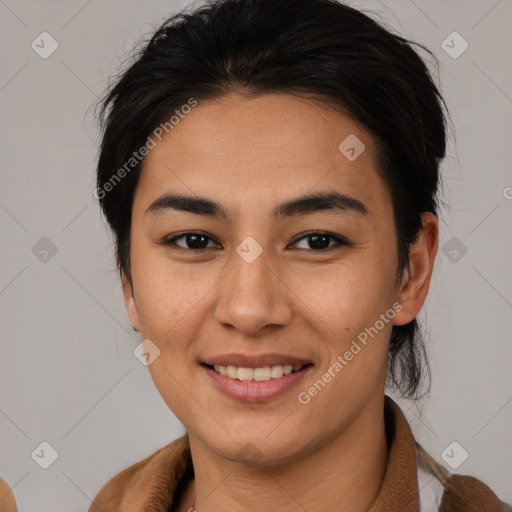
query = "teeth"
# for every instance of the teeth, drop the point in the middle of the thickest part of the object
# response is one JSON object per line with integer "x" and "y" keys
{"x": 245, "y": 373}
{"x": 258, "y": 374}
{"x": 262, "y": 373}
{"x": 276, "y": 372}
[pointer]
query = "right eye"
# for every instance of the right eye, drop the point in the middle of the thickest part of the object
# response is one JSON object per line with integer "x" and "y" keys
{"x": 191, "y": 241}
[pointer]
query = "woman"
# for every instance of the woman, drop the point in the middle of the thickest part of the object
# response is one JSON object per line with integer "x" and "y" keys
{"x": 270, "y": 169}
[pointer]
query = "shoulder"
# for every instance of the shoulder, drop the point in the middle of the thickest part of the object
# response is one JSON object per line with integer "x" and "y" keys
{"x": 7, "y": 500}
{"x": 153, "y": 476}
{"x": 461, "y": 492}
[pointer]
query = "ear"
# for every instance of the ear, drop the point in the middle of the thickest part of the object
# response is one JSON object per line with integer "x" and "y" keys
{"x": 416, "y": 279}
{"x": 129, "y": 302}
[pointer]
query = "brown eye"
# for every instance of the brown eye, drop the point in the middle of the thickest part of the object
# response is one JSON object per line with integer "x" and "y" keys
{"x": 191, "y": 241}
{"x": 320, "y": 241}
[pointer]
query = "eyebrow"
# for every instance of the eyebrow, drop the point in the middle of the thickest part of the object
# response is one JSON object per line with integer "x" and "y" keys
{"x": 303, "y": 205}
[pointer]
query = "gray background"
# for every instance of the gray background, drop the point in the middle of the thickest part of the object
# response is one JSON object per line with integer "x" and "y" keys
{"x": 68, "y": 373}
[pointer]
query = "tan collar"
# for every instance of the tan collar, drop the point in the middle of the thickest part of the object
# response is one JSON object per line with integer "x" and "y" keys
{"x": 399, "y": 490}
{"x": 150, "y": 484}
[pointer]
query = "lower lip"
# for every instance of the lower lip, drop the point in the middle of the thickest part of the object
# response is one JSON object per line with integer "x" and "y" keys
{"x": 253, "y": 390}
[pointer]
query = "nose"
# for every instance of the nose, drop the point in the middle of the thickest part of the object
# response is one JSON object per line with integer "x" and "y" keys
{"x": 252, "y": 296}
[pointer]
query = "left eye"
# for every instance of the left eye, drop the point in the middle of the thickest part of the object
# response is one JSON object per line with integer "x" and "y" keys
{"x": 320, "y": 241}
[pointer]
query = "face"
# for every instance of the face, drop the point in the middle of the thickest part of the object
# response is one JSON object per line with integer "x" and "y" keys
{"x": 248, "y": 273}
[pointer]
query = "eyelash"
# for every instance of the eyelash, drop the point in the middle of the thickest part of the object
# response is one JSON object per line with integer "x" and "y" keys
{"x": 339, "y": 240}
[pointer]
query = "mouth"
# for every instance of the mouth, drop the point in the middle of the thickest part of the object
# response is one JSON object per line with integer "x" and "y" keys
{"x": 257, "y": 379}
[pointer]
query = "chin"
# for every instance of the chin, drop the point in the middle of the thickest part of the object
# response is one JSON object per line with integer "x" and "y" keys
{"x": 255, "y": 449}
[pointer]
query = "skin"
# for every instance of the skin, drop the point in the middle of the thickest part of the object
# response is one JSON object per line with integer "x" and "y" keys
{"x": 249, "y": 155}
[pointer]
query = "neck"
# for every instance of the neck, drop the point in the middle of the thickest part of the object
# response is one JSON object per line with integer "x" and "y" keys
{"x": 344, "y": 473}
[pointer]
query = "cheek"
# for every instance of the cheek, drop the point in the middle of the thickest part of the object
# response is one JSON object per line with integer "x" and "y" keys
{"x": 356, "y": 341}
{"x": 348, "y": 295}
{"x": 175, "y": 386}
{"x": 344, "y": 307}
{"x": 171, "y": 309}
{"x": 168, "y": 295}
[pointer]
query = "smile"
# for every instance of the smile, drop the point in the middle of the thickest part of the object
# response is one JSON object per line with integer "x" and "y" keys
{"x": 255, "y": 379}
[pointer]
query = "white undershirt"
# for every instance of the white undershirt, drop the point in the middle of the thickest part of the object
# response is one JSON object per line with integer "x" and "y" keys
{"x": 431, "y": 491}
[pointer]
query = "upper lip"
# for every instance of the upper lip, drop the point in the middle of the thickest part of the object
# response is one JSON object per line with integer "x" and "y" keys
{"x": 254, "y": 361}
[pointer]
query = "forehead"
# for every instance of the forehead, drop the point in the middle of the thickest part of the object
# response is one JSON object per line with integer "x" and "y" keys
{"x": 272, "y": 146}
